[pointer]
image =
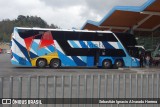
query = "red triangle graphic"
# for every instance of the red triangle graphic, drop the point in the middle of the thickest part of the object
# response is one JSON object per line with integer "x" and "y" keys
{"x": 46, "y": 40}
{"x": 28, "y": 42}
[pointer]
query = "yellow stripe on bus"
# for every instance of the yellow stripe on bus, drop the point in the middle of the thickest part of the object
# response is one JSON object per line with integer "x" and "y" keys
{"x": 47, "y": 57}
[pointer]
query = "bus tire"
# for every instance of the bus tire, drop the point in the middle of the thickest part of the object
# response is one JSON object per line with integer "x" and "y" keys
{"x": 119, "y": 63}
{"x": 55, "y": 63}
{"x": 107, "y": 64}
{"x": 41, "y": 63}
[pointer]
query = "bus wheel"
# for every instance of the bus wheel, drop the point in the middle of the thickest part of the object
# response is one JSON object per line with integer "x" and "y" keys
{"x": 41, "y": 63}
{"x": 107, "y": 64}
{"x": 55, "y": 63}
{"x": 119, "y": 63}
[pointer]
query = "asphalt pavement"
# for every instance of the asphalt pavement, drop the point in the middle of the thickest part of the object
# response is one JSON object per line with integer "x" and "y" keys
{"x": 7, "y": 70}
{"x": 115, "y": 87}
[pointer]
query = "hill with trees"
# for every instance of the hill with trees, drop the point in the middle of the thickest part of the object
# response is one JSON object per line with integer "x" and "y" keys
{"x": 7, "y": 25}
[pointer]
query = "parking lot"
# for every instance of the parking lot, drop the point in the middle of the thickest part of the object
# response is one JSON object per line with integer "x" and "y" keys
{"x": 7, "y": 70}
{"x": 77, "y": 82}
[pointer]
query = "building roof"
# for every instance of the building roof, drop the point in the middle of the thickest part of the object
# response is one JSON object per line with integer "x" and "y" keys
{"x": 123, "y": 18}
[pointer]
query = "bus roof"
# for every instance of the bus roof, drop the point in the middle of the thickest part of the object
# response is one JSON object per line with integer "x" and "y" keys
{"x": 36, "y": 28}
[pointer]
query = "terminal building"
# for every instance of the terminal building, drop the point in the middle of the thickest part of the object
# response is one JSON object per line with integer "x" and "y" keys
{"x": 142, "y": 21}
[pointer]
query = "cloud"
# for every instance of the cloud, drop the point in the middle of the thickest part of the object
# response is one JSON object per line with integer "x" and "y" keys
{"x": 96, "y": 9}
{"x": 87, "y": 9}
{"x": 63, "y": 13}
{"x": 63, "y": 3}
{"x": 13, "y": 8}
{"x": 65, "y": 18}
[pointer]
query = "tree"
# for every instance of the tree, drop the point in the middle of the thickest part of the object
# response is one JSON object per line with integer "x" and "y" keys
{"x": 7, "y": 25}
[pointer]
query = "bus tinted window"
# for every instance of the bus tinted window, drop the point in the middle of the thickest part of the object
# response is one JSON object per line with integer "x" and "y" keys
{"x": 71, "y": 35}
{"x": 58, "y": 35}
{"x": 105, "y": 37}
{"x": 87, "y": 36}
{"x": 127, "y": 39}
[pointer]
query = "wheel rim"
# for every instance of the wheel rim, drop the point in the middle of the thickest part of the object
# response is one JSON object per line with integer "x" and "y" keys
{"x": 41, "y": 63}
{"x": 119, "y": 64}
{"x": 107, "y": 64}
{"x": 55, "y": 64}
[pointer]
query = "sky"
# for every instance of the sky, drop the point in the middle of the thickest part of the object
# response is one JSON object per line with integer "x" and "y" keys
{"x": 63, "y": 13}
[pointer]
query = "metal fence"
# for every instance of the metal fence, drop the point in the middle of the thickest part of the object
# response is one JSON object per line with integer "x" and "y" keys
{"x": 80, "y": 87}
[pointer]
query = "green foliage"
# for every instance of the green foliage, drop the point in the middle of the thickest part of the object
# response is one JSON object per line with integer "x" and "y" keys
{"x": 7, "y": 25}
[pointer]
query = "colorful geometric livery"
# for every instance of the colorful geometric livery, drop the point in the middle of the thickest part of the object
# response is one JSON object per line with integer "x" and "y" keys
{"x": 50, "y": 47}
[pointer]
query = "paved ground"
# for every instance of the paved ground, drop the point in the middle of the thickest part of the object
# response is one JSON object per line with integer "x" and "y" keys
{"x": 7, "y": 70}
{"x": 106, "y": 88}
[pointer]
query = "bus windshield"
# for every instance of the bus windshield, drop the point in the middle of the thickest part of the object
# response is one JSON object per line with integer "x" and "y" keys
{"x": 135, "y": 51}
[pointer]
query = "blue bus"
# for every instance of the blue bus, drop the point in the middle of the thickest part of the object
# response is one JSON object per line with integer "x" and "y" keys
{"x": 41, "y": 47}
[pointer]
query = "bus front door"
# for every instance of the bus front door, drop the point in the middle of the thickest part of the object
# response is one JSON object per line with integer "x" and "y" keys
{"x": 93, "y": 60}
{"x": 96, "y": 58}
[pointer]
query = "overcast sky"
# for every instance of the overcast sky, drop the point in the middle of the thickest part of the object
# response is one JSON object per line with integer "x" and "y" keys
{"x": 63, "y": 13}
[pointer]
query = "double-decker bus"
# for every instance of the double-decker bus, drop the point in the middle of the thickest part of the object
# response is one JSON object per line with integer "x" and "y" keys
{"x": 41, "y": 47}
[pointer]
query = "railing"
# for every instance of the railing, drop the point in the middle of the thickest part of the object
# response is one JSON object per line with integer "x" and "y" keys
{"x": 82, "y": 87}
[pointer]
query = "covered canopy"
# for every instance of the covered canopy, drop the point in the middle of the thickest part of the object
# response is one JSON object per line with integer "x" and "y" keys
{"x": 124, "y": 18}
